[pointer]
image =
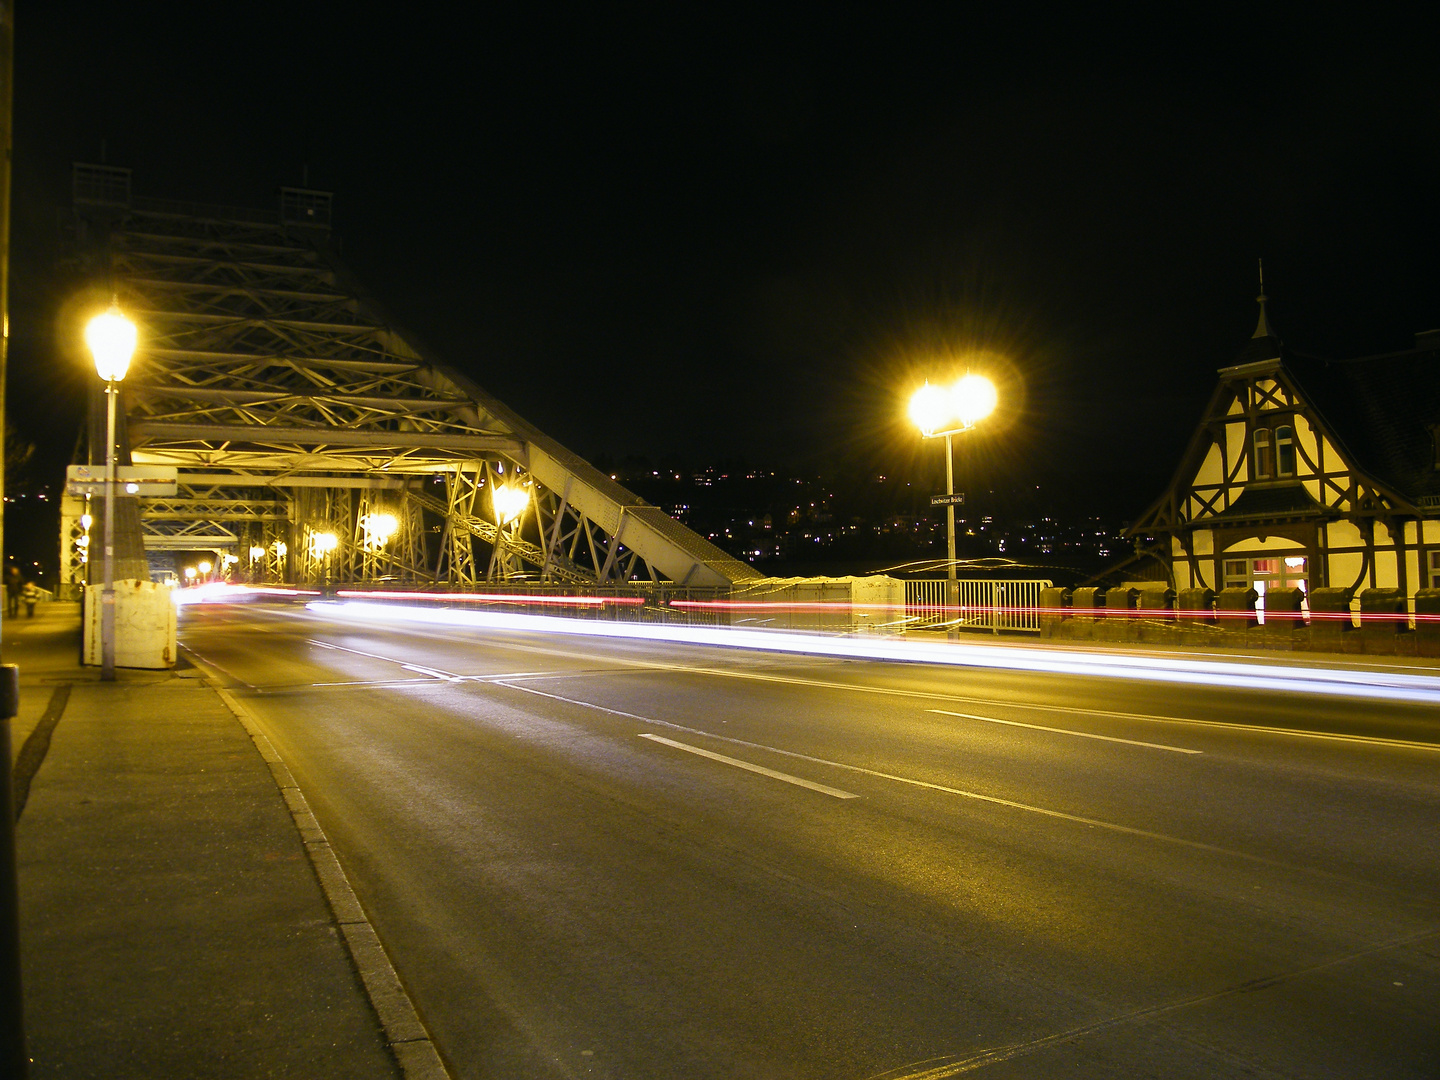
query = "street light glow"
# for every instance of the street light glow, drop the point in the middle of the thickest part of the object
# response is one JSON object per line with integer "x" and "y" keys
{"x": 111, "y": 338}
{"x": 934, "y": 409}
{"x": 929, "y": 408}
{"x": 378, "y": 528}
{"x": 973, "y": 398}
{"x": 509, "y": 503}
{"x": 322, "y": 543}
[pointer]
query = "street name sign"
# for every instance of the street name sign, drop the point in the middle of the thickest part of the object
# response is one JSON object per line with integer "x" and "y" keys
{"x": 958, "y": 499}
{"x": 141, "y": 481}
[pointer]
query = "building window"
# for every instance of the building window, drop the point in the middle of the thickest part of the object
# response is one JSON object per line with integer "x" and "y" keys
{"x": 1285, "y": 451}
{"x": 1435, "y": 569}
{"x": 1271, "y": 572}
{"x": 1260, "y": 460}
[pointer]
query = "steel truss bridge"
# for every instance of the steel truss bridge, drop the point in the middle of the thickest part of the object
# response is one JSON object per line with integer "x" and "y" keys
{"x": 313, "y": 441}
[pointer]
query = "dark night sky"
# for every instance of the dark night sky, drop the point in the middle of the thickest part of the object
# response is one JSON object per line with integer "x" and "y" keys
{"x": 687, "y": 231}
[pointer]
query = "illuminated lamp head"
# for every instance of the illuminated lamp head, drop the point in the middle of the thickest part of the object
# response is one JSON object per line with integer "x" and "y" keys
{"x": 973, "y": 398}
{"x": 111, "y": 338}
{"x": 378, "y": 529}
{"x": 929, "y": 409}
{"x": 509, "y": 503}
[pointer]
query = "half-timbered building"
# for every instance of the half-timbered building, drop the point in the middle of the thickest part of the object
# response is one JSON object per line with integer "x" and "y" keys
{"x": 1310, "y": 473}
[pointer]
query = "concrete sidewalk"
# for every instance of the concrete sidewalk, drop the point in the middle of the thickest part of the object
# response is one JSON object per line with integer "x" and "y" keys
{"x": 171, "y": 922}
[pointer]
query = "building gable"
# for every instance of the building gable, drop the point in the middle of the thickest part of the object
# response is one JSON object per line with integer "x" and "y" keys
{"x": 1309, "y": 472}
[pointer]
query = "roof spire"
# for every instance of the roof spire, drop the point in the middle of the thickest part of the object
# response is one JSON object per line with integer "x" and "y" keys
{"x": 1262, "y": 328}
{"x": 1264, "y": 344}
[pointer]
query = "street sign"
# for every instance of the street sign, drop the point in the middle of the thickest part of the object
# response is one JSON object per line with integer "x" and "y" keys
{"x": 958, "y": 499}
{"x": 142, "y": 481}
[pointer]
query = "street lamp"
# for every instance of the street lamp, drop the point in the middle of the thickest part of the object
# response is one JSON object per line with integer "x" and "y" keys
{"x": 378, "y": 529}
{"x": 952, "y": 411}
{"x": 111, "y": 337}
{"x": 509, "y": 503}
{"x": 322, "y": 545}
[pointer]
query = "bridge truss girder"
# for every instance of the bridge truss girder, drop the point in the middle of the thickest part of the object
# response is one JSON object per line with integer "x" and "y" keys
{"x": 292, "y": 409}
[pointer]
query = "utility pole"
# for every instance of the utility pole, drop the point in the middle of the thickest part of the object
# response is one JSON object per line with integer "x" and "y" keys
{"x": 13, "y": 1059}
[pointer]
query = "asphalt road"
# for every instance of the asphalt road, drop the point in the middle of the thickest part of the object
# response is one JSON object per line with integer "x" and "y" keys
{"x": 594, "y": 858}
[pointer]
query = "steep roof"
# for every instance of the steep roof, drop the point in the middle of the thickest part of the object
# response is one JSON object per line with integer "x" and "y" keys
{"x": 1383, "y": 409}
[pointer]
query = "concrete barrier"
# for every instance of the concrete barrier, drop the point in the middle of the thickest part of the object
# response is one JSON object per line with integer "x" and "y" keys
{"x": 144, "y": 625}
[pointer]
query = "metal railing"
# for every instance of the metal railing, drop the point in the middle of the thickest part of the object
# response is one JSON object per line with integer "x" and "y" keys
{"x": 983, "y": 605}
{"x": 980, "y": 605}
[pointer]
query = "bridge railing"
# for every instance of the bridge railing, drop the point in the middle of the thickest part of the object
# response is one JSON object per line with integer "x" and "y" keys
{"x": 981, "y": 604}
{"x": 815, "y": 604}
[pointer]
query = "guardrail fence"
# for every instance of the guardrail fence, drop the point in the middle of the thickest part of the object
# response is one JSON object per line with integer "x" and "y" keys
{"x": 981, "y": 605}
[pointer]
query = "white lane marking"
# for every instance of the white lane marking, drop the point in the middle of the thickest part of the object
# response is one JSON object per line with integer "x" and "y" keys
{"x": 432, "y": 672}
{"x": 1065, "y": 731}
{"x": 961, "y": 792}
{"x": 600, "y": 708}
{"x": 796, "y": 780}
{"x": 421, "y": 668}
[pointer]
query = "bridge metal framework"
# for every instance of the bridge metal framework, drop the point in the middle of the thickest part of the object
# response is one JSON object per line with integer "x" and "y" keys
{"x": 294, "y": 410}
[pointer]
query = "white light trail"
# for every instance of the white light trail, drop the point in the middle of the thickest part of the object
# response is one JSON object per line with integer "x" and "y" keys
{"x": 1386, "y": 684}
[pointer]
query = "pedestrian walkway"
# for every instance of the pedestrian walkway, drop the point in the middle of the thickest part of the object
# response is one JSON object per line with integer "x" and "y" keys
{"x": 171, "y": 923}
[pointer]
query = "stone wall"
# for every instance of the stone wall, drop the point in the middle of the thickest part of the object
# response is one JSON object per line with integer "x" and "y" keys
{"x": 1385, "y": 624}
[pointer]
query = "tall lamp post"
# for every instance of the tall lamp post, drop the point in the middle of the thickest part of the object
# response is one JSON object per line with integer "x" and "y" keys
{"x": 111, "y": 337}
{"x": 509, "y": 502}
{"x": 951, "y": 411}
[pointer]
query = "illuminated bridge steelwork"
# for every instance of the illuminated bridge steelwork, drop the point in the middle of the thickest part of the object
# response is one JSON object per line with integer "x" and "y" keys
{"x": 293, "y": 409}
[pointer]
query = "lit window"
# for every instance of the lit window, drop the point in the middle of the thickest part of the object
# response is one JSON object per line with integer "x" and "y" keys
{"x": 1285, "y": 451}
{"x": 1260, "y": 461}
{"x": 1288, "y": 571}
